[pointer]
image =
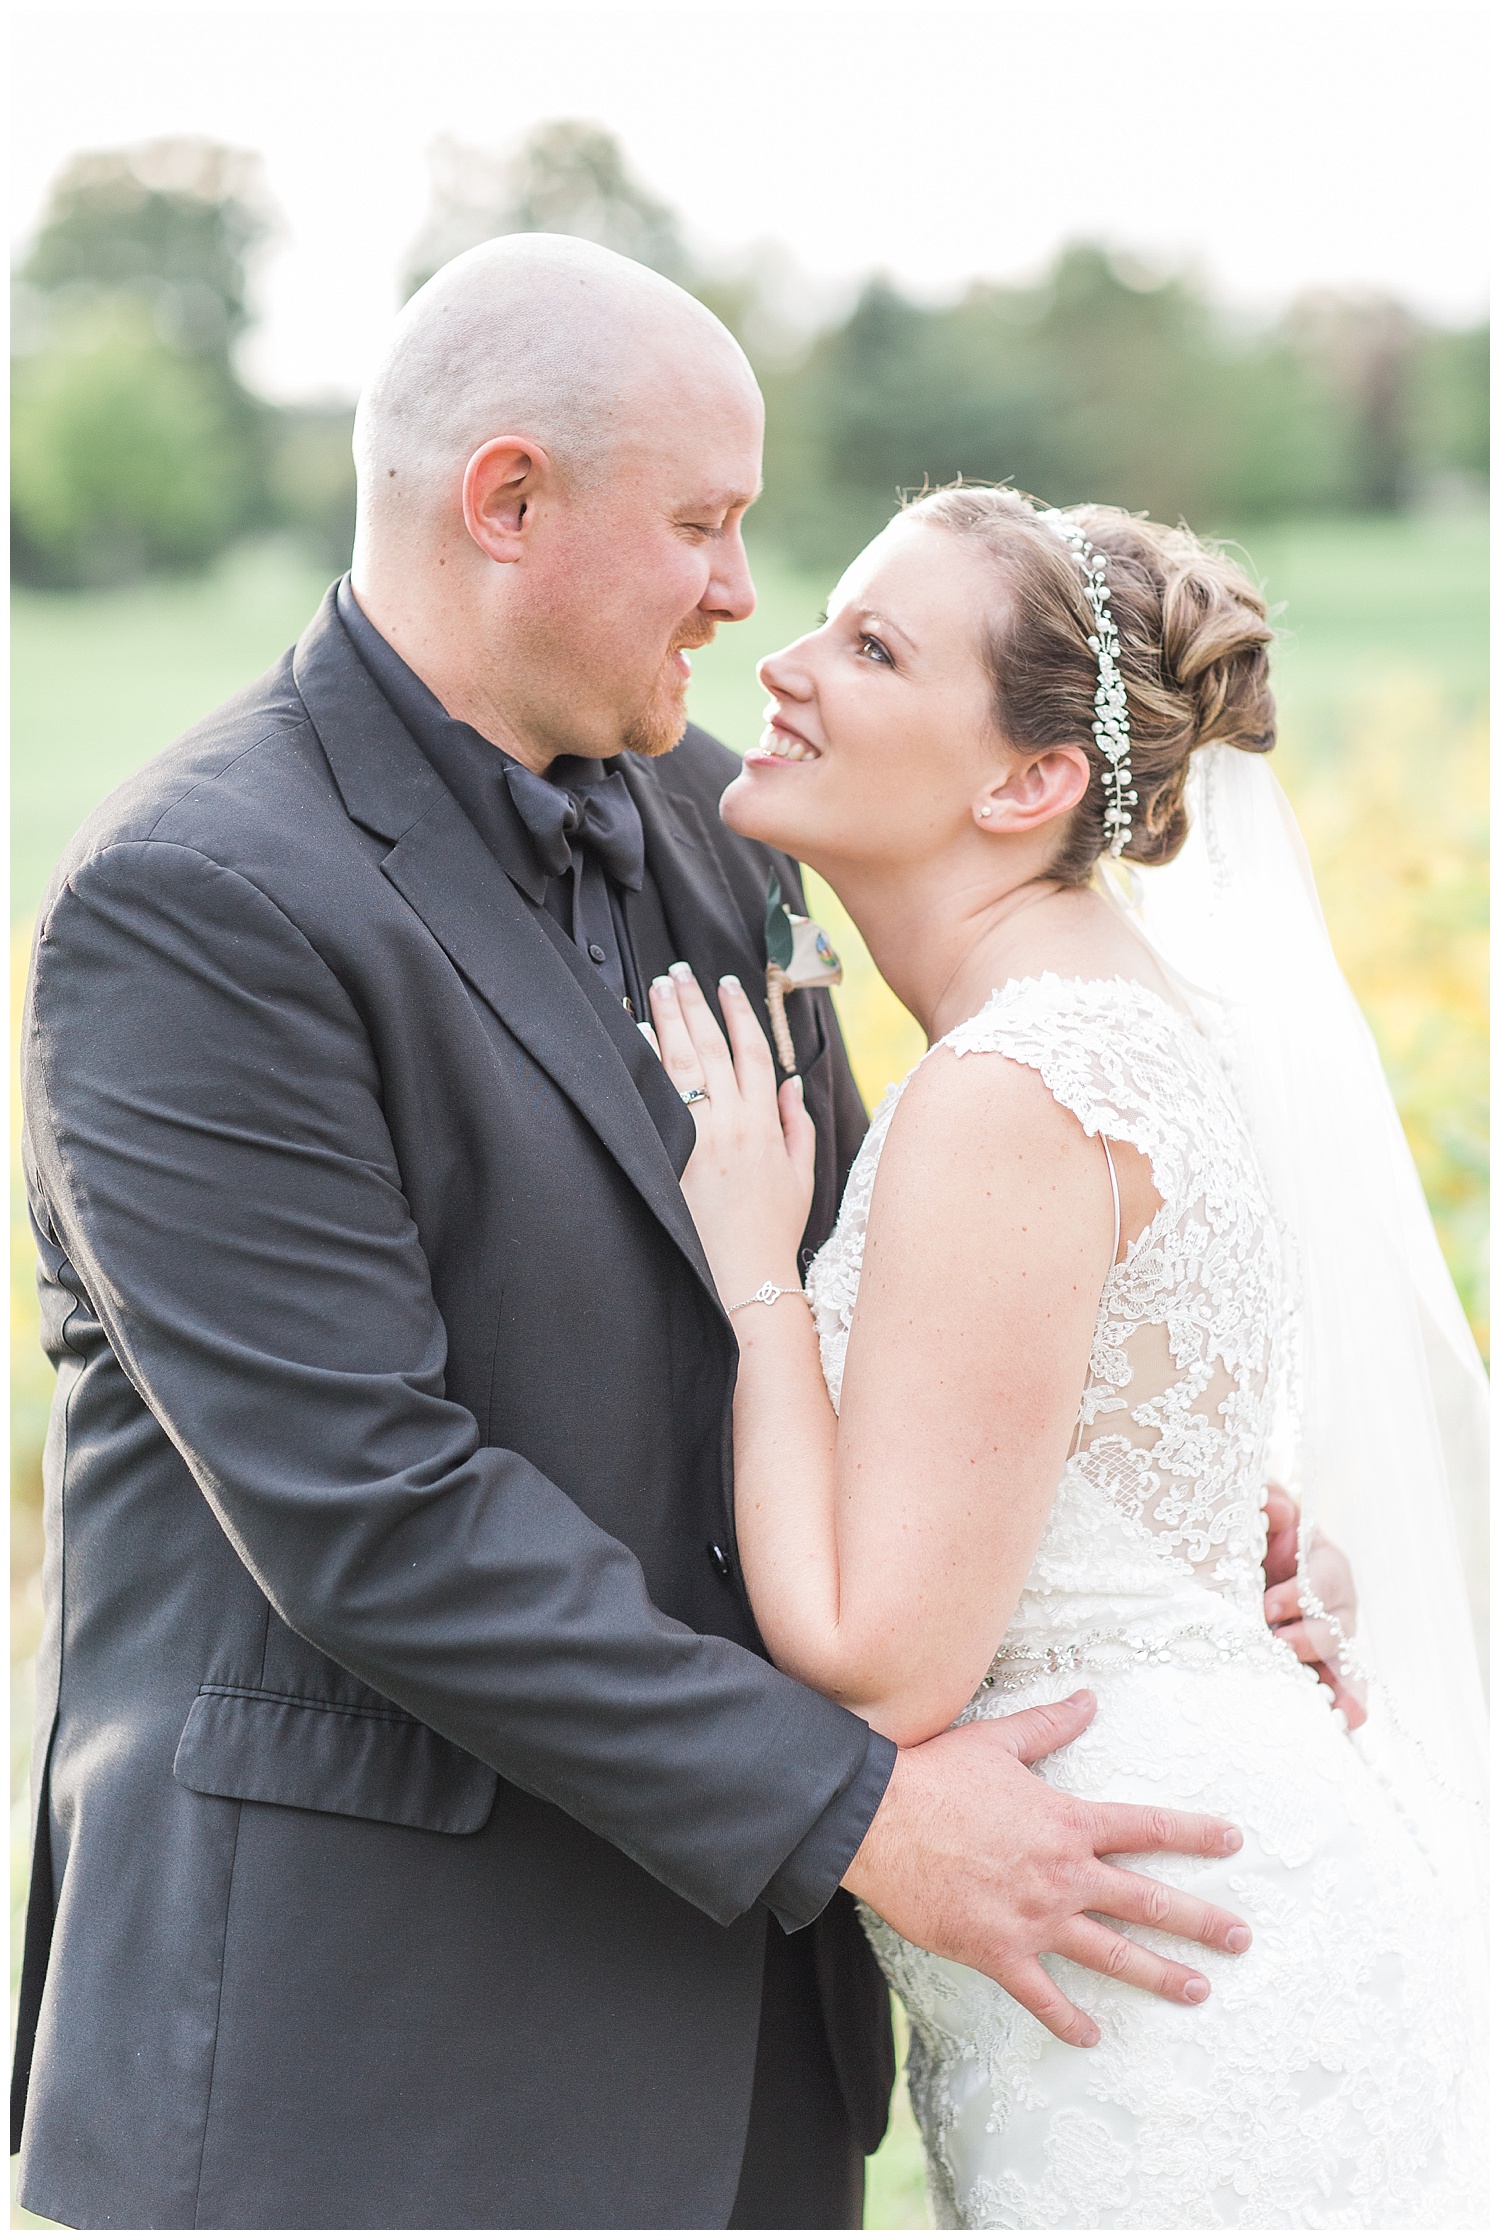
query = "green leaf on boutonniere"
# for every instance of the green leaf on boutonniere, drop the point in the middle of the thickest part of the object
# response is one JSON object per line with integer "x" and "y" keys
{"x": 799, "y": 954}
{"x": 778, "y": 926}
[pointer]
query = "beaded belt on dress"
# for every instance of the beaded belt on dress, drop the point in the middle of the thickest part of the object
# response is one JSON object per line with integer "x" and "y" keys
{"x": 1199, "y": 1643}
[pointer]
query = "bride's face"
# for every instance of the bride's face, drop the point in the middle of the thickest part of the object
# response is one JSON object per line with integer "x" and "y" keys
{"x": 880, "y": 740}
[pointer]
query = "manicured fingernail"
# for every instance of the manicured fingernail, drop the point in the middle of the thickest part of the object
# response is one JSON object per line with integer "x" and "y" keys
{"x": 1090, "y": 2037}
{"x": 682, "y": 972}
{"x": 662, "y": 984}
{"x": 1079, "y": 1698}
{"x": 1233, "y": 1840}
{"x": 1238, "y": 1940}
{"x": 728, "y": 980}
{"x": 1196, "y": 1990}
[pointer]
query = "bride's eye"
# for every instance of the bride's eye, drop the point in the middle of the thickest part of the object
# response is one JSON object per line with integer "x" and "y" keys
{"x": 875, "y": 649}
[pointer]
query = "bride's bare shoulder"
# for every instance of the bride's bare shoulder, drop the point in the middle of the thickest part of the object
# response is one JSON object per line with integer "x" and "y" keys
{"x": 1081, "y": 936}
{"x": 969, "y": 1132}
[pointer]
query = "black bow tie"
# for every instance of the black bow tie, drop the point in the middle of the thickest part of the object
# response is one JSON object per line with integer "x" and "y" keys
{"x": 580, "y": 802}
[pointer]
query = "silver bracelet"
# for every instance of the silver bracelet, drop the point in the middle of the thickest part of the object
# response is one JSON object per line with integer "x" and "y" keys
{"x": 768, "y": 1295}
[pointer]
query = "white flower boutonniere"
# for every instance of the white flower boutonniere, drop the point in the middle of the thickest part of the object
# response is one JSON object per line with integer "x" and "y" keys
{"x": 799, "y": 954}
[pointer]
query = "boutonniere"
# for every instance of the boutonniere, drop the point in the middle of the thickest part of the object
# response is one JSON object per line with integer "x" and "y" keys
{"x": 799, "y": 954}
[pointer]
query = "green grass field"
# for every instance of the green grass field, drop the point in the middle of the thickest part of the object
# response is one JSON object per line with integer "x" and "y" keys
{"x": 1382, "y": 680}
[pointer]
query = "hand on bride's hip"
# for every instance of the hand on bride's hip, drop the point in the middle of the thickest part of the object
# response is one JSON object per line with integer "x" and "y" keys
{"x": 1315, "y": 1641}
{"x": 749, "y": 1182}
{"x": 975, "y": 1858}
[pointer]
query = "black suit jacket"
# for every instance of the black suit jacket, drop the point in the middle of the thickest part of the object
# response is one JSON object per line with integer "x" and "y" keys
{"x": 411, "y": 1773}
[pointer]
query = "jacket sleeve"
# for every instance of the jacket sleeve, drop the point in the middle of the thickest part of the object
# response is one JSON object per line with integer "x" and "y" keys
{"x": 206, "y": 1124}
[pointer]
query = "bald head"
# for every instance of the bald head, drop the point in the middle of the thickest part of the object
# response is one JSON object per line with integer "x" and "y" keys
{"x": 535, "y": 334}
{"x": 555, "y": 460}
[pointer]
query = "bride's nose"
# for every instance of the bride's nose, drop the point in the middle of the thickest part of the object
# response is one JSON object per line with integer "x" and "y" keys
{"x": 784, "y": 674}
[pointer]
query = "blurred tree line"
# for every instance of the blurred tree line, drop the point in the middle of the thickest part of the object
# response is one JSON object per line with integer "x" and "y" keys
{"x": 137, "y": 445}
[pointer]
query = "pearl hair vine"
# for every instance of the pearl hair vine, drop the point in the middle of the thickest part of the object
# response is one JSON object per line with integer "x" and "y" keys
{"x": 1111, "y": 716}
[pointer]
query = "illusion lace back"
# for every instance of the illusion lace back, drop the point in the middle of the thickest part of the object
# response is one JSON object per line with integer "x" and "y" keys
{"x": 1330, "y": 2082}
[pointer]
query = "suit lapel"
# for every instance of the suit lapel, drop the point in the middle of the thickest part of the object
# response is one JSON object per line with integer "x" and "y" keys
{"x": 503, "y": 946}
{"x": 714, "y": 893}
{"x": 652, "y": 1086}
{"x": 707, "y": 922}
{"x": 465, "y": 900}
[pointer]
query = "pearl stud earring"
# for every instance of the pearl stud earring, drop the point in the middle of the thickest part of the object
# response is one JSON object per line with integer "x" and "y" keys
{"x": 986, "y": 812}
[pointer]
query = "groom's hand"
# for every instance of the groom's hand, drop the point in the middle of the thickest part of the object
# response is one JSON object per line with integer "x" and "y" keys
{"x": 975, "y": 1858}
{"x": 1332, "y": 1582}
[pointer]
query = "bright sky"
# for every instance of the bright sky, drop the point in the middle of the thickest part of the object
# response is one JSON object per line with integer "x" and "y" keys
{"x": 1273, "y": 147}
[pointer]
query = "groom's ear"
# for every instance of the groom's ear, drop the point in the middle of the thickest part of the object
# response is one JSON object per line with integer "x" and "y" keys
{"x": 501, "y": 484}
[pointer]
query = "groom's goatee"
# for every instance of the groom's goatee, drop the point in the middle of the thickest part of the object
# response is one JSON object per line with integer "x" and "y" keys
{"x": 663, "y": 719}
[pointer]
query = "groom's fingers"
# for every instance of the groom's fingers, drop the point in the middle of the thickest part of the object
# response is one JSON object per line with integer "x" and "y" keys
{"x": 1152, "y": 1827}
{"x": 1036, "y": 1733}
{"x": 1281, "y": 1536}
{"x": 1309, "y": 1639}
{"x": 1030, "y": 1986}
{"x": 1159, "y": 1905}
{"x": 1283, "y": 1602}
{"x": 1109, "y": 1952}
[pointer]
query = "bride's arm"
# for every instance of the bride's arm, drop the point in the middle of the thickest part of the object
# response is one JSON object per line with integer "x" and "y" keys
{"x": 884, "y": 1549}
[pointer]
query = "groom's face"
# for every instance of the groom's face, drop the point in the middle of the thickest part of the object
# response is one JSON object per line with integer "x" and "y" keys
{"x": 638, "y": 568}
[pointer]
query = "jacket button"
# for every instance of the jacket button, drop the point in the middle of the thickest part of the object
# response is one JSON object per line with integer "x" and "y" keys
{"x": 596, "y": 952}
{"x": 720, "y": 1561}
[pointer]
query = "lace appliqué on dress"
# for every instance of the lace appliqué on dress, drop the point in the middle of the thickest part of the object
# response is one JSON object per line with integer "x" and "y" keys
{"x": 1329, "y": 2083}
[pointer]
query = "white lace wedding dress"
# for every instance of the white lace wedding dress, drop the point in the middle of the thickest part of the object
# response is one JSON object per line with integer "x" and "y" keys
{"x": 1331, "y": 2080}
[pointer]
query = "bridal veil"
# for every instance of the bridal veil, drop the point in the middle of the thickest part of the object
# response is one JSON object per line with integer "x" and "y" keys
{"x": 1384, "y": 1439}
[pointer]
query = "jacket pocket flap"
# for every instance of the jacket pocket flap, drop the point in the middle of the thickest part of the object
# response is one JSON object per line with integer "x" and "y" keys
{"x": 320, "y": 1757}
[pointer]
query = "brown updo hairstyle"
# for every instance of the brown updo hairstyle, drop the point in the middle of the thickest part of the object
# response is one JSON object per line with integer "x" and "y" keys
{"x": 1193, "y": 654}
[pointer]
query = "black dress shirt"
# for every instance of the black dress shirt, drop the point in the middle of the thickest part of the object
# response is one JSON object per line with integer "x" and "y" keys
{"x": 521, "y": 818}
